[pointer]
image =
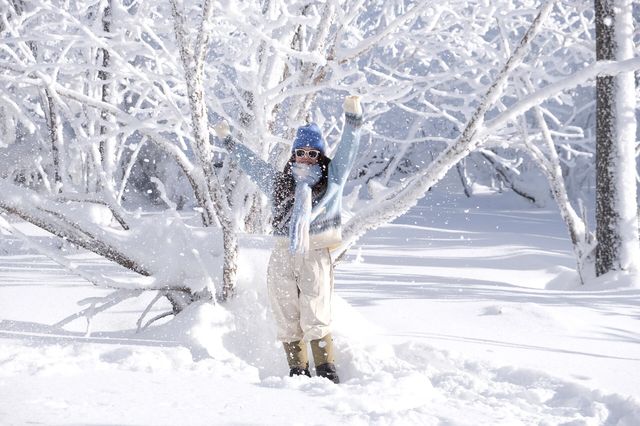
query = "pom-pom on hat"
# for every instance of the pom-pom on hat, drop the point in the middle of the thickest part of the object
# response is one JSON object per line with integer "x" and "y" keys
{"x": 309, "y": 136}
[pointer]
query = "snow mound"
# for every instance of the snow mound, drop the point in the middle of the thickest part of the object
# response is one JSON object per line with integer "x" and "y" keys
{"x": 409, "y": 383}
{"x": 568, "y": 279}
{"x": 221, "y": 364}
{"x": 614, "y": 280}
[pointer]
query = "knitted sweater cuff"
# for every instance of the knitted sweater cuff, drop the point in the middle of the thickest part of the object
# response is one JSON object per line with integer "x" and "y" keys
{"x": 228, "y": 142}
{"x": 353, "y": 119}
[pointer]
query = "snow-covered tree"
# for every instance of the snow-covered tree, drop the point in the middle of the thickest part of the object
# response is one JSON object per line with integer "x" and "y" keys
{"x": 616, "y": 204}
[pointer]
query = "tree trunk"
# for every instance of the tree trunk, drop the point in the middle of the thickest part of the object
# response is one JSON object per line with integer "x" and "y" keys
{"x": 616, "y": 205}
{"x": 107, "y": 146}
{"x": 57, "y": 142}
{"x": 549, "y": 164}
{"x": 103, "y": 75}
{"x": 230, "y": 267}
{"x": 217, "y": 203}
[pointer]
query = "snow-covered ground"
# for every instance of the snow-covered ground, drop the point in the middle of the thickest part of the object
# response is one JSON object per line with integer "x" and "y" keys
{"x": 464, "y": 311}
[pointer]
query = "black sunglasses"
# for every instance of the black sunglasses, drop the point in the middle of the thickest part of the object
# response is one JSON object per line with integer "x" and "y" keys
{"x": 312, "y": 153}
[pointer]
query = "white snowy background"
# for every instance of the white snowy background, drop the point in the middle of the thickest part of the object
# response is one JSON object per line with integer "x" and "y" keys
{"x": 465, "y": 309}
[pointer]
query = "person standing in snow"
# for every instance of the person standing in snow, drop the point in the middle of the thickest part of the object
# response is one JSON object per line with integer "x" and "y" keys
{"x": 306, "y": 202}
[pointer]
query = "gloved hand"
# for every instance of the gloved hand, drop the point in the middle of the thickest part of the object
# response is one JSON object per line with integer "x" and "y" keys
{"x": 352, "y": 105}
{"x": 306, "y": 173}
{"x": 222, "y": 129}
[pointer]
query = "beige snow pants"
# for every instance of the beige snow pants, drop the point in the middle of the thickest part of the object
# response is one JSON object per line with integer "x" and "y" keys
{"x": 300, "y": 292}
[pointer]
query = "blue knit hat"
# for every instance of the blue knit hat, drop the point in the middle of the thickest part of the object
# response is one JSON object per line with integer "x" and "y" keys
{"x": 309, "y": 136}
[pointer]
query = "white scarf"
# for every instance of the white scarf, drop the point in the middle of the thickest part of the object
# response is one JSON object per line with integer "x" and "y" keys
{"x": 306, "y": 176}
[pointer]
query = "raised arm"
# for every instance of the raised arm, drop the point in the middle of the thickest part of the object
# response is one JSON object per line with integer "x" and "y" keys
{"x": 258, "y": 170}
{"x": 345, "y": 154}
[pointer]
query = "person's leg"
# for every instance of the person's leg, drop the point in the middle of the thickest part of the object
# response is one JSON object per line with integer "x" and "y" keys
{"x": 315, "y": 281}
{"x": 297, "y": 358}
{"x": 322, "y": 350}
{"x": 324, "y": 358}
{"x": 283, "y": 297}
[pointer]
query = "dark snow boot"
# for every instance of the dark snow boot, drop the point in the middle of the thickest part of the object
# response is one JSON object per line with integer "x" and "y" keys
{"x": 299, "y": 371}
{"x": 297, "y": 358}
{"x": 324, "y": 359}
{"x": 328, "y": 371}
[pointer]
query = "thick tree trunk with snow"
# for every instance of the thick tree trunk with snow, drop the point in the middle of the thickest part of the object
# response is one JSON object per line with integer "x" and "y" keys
{"x": 230, "y": 269}
{"x": 616, "y": 204}
{"x": 193, "y": 64}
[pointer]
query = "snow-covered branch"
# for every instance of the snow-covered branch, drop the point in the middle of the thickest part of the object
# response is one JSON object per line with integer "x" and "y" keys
{"x": 578, "y": 78}
{"x": 408, "y": 194}
{"x": 55, "y": 219}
